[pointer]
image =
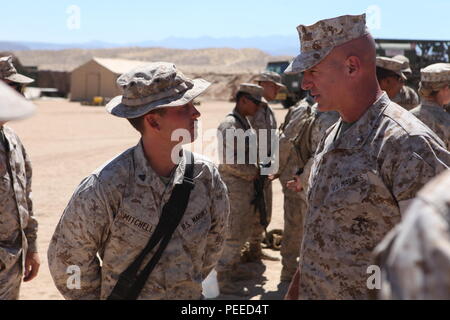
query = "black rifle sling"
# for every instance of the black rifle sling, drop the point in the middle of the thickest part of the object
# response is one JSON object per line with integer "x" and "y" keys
{"x": 130, "y": 284}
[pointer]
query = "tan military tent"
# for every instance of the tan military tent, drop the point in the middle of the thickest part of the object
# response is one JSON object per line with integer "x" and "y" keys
{"x": 97, "y": 78}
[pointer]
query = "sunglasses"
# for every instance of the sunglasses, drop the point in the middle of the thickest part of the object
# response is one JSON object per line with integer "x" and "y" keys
{"x": 253, "y": 100}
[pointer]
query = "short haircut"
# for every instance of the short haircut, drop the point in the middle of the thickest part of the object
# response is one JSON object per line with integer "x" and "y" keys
{"x": 383, "y": 73}
{"x": 138, "y": 123}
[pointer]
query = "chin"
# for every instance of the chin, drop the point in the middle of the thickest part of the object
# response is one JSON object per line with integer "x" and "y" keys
{"x": 323, "y": 108}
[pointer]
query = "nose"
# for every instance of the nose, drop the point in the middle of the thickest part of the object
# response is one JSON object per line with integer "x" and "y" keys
{"x": 306, "y": 83}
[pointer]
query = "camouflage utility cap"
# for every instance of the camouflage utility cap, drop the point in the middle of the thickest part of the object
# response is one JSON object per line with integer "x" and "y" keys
{"x": 319, "y": 39}
{"x": 254, "y": 90}
{"x": 9, "y": 72}
{"x": 407, "y": 67}
{"x": 13, "y": 106}
{"x": 393, "y": 65}
{"x": 154, "y": 86}
{"x": 438, "y": 72}
{"x": 434, "y": 78}
{"x": 270, "y": 76}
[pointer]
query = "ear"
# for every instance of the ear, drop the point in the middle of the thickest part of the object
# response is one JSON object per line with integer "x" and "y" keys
{"x": 151, "y": 120}
{"x": 352, "y": 66}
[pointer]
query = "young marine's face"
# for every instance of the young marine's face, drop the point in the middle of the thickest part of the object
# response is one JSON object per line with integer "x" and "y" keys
{"x": 270, "y": 90}
{"x": 183, "y": 117}
{"x": 250, "y": 106}
{"x": 392, "y": 86}
{"x": 445, "y": 95}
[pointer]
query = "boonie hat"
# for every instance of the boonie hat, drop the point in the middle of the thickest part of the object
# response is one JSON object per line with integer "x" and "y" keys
{"x": 154, "y": 86}
{"x": 9, "y": 72}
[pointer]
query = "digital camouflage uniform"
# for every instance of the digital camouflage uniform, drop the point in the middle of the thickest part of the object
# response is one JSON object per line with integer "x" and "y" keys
{"x": 239, "y": 179}
{"x": 18, "y": 226}
{"x": 294, "y": 202}
{"x": 314, "y": 123}
{"x": 264, "y": 119}
{"x": 407, "y": 98}
{"x": 434, "y": 78}
{"x": 436, "y": 118}
{"x": 415, "y": 257}
{"x": 115, "y": 211}
{"x": 359, "y": 186}
{"x": 361, "y": 181}
{"x": 112, "y": 215}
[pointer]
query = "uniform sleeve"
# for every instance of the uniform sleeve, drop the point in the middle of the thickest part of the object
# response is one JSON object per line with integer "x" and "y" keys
{"x": 413, "y": 163}
{"x": 285, "y": 151}
{"x": 415, "y": 256}
{"x": 77, "y": 240}
{"x": 244, "y": 171}
{"x": 32, "y": 227}
{"x": 286, "y": 146}
{"x": 220, "y": 210}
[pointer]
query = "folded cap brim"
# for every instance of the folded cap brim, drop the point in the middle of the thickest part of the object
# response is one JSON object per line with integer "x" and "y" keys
{"x": 13, "y": 106}
{"x": 263, "y": 79}
{"x": 307, "y": 60}
{"x": 407, "y": 71}
{"x": 19, "y": 78}
{"x": 402, "y": 75}
{"x": 118, "y": 109}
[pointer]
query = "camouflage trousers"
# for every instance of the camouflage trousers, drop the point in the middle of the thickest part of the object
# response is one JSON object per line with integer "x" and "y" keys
{"x": 243, "y": 217}
{"x": 10, "y": 281}
{"x": 294, "y": 214}
{"x": 258, "y": 230}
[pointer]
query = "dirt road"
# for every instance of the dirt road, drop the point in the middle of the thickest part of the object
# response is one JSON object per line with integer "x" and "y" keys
{"x": 67, "y": 141}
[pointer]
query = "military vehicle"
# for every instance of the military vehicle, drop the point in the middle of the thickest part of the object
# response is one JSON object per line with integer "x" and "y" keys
{"x": 294, "y": 93}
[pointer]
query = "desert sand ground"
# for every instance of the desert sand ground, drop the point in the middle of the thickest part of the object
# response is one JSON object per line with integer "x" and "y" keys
{"x": 67, "y": 141}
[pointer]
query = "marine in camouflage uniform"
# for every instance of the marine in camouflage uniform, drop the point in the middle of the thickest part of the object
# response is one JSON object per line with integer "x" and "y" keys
{"x": 407, "y": 97}
{"x": 390, "y": 75}
{"x": 115, "y": 210}
{"x": 414, "y": 258}
{"x": 435, "y": 82}
{"x": 362, "y": 178}
{"x": 312, "y": 124}
{"x": 239, "y": 173}
{"x": 18, "y": 225}
{"x": 264, "y": 119}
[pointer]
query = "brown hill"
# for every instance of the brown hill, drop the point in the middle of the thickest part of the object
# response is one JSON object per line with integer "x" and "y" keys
{"x": 215, "y": 60}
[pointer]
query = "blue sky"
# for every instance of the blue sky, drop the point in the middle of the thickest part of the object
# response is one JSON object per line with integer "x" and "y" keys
{"x": 139, "y": 20}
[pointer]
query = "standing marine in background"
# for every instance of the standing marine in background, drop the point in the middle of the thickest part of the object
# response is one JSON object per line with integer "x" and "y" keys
{"x": 264, "y": 119}
{"x": 407, "y": 97}
{"x": 435, "y": 92}
{"x": 390, "y": 75}
{"x": 239, "y": 169}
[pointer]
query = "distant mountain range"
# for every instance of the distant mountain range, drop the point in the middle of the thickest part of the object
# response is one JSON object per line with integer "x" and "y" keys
{"x": 273, "y": 45}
